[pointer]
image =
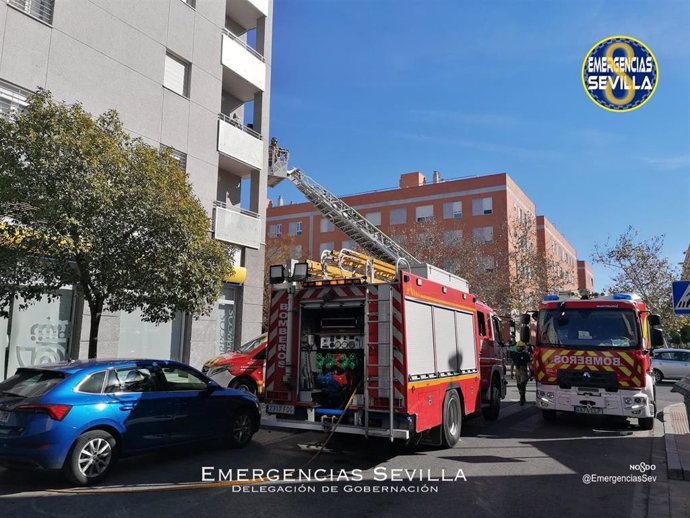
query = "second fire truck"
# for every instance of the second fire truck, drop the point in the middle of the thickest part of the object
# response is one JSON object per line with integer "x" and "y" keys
{"x": 592, "y": 355}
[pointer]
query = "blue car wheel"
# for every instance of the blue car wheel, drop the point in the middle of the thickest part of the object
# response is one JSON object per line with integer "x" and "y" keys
{"x": 241, "y": 429}
{"x": 93, "y": 454}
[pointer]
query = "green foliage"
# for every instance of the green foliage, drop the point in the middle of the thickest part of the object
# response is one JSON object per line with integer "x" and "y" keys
{"x": 108, "y": 213}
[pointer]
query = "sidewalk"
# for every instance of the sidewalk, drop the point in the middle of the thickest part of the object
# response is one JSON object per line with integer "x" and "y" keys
{"x": 677, "y": 439}
{"x": 677, "y": 446}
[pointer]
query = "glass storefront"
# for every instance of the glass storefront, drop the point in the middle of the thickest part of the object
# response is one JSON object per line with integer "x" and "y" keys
{"x": 226, "y": 320}
{"x": 36, "y": 335}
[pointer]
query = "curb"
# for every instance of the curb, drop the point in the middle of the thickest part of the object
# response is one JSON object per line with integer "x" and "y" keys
{"x": 675, "y": 434}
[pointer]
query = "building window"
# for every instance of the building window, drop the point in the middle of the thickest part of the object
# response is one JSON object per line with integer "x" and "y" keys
{"x": 176, "y": 75}
{"x": 452, "y": 237}
{"x": 12, "y": 99}
{"x": 296, "y": 228}
{"x": 424, "y": 213}
{"x": 374, "y": 218}
{"x": 452, "y": 210}
{"x": 178, "y": 156}
{"x": 41, "y": 9}
{"x": 399, "y": 239}
{"x": 398, "y": 216}
{"x": 328, "y": 245}
{"x": 327, "y": 225}
{"x": 297, "y": 252}
{"x": 489, "y": 262}
{"x": 350, "y": 244}
{"x": 275, "y": 230}
{"x": 483, "y": 234}
{"x": 482, "y": 206}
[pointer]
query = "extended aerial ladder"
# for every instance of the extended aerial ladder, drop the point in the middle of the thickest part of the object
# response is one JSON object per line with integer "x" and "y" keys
{"x": 374, "y": 242}
{"x": 368, "y": 236}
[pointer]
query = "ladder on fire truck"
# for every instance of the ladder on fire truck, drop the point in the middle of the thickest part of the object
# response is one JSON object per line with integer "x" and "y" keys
{"x": 368, "y": 236}
{"x": 382, "y": 317}
{"x": 347, "y": 263}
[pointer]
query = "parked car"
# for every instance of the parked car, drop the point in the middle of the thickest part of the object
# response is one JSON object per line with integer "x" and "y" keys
{"x": 670, "y": 364}
{"x": 242, "y": 369}
{"x": 81, "y": 416}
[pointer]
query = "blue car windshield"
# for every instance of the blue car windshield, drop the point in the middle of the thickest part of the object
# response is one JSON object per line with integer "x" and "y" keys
{"x": 588, "y": 328}
{"x": 30, "y": 383}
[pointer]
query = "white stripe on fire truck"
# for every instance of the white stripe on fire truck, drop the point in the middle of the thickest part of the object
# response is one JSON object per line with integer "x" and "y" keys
{"x": 340, "y": 292}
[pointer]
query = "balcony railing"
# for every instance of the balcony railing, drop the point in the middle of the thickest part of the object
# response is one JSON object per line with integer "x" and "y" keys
{"x": 236, "y": 122}
{"x": 246, "y": 212}
{"x": 236, "y": 225}
{"x": 239, "y": 40}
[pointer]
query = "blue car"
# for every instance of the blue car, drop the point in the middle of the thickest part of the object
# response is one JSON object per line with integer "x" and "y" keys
{"x": 81, "y": 416}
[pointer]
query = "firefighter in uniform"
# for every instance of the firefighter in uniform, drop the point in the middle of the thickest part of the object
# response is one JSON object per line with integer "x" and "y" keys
{"x": 521, "y": 360}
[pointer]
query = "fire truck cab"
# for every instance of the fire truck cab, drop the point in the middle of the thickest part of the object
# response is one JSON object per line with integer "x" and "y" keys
{"x": 592, "y": 355}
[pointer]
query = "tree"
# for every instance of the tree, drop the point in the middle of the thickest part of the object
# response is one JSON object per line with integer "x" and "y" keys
{"x": 507, "y": 271}
{"x": 85, "y": 204}
{"x": 639, "y": 266}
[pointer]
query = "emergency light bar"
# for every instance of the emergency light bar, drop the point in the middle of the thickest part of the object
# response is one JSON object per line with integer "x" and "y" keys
{"x": 589, "y": 296}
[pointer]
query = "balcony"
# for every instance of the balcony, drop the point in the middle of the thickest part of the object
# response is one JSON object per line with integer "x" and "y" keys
{"x": 241, "y": 148}
{"x": 236, "y": 225}
{"x": 246, "y": 12}
{"x": 244, "y": 69}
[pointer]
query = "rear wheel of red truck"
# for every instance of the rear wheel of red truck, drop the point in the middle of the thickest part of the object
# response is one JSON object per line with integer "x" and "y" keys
{"x": 452, "y": 419}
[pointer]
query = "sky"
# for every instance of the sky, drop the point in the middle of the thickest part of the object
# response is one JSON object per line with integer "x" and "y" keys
{"x": 364, "y": 90}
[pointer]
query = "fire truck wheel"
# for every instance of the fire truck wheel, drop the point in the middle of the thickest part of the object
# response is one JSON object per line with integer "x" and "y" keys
{"x": 491, "y": 412}
{"x": 452, "y": 419}
{"x": 549, "y": 415}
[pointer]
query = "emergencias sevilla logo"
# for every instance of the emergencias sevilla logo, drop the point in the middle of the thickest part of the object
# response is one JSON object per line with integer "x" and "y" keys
{"x": 620, "y": 73}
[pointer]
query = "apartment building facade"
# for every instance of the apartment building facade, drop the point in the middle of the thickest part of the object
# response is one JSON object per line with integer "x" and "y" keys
{"x": 190, "y": 75}
{"x": 483, "y": 208}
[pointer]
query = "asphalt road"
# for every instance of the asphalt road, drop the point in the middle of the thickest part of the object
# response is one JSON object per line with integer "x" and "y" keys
{"x": 517, "y": 466}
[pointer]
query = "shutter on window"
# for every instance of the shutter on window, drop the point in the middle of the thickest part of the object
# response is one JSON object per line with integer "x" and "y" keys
{"x": 175, "y": 75}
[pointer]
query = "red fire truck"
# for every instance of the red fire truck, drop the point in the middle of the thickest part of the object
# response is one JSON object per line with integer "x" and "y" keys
{"x": 396, "y": 349}
{"x": 592, "y": 355}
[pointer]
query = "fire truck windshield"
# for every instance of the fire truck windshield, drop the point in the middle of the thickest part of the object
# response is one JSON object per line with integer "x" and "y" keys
{"x": 588, "y": 328}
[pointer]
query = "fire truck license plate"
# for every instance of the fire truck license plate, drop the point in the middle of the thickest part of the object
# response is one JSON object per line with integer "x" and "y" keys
{"x": 588, "y": 410}
{"x": 280, "y": 409}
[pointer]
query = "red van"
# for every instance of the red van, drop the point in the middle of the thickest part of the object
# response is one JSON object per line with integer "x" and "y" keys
{"x": 242, "y": 369}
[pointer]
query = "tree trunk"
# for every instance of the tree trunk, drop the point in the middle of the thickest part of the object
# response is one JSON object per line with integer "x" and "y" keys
{"x": 96, "y": 311}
